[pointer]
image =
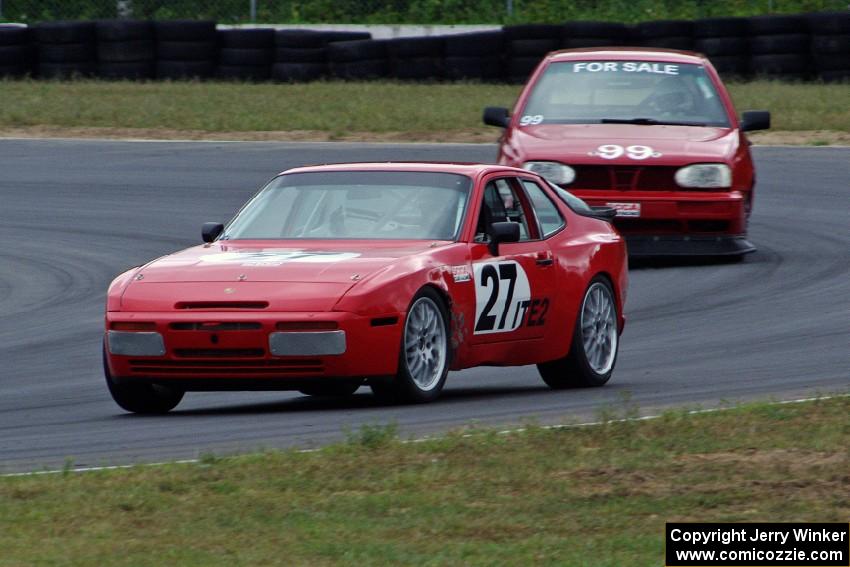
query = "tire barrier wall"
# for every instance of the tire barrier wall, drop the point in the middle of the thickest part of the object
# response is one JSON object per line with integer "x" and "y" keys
{"x": 812, "y": 46}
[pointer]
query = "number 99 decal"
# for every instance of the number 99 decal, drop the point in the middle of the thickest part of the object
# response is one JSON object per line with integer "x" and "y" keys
{"x": 502, "y": 296}
{"x": 613, "y": 151}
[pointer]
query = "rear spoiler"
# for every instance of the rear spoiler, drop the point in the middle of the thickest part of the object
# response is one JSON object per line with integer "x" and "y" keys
{"x": 603, "y": 213}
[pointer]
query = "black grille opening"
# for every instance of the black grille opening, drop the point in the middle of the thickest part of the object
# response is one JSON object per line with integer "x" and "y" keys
{"x": 211, "y": 305}
{"x": 214, "y": 326}
{"x": 219, "y": 352}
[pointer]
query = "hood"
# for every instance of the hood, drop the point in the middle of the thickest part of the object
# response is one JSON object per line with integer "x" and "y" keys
{"x": 580, "y": 143}
{"x": 248, "y": 275}
{"x": 279, "y": 262}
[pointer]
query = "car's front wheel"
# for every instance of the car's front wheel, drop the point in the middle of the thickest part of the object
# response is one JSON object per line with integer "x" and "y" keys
{"x": 142, "y": 397}
{"x": 593, "y": 351}
{"x": 424, "y": 356}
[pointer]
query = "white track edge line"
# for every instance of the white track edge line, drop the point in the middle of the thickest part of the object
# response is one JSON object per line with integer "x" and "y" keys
{"x": 431, "y": 438}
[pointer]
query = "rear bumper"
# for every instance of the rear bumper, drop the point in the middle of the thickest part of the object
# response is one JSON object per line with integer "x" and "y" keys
{"x": 702, "y": 215}
{"x": 233, "y": 350}
{"x": 643, "y": 246}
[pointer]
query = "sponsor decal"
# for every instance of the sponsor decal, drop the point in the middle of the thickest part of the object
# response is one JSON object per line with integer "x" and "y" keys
{"x": 503, "y": 301}
{"x": 626, "y": 67}
{"x": 613, "y": 151}
{"x": 625, "y": 209}
{"x": 460, "y": 274}
{"x": 277, "y": 257}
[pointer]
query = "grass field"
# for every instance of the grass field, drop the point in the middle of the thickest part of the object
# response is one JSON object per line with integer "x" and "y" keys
{"x": 334, "y": 110}
{"x": 596, "y": 496}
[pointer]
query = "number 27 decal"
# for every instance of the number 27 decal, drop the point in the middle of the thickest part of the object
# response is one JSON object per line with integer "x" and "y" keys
{"x": 503, "y": 298}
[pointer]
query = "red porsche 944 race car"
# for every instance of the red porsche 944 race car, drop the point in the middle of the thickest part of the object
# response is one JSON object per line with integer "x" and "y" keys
{"x": 651, "y": 133}
{"x": 387, "y": 274}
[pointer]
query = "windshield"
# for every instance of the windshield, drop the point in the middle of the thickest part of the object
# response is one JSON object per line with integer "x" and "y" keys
{"x": 636, "y": 92}
{"x": 355, "y": 204}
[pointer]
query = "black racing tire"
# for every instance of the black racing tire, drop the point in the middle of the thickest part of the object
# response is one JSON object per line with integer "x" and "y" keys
{"x": 788, "y": 64}
{"x": 409, "y": 385}
{"x": 417, "y": 68}
{"x": 247, "y": 38}
{"x": 532, "y": 47}
{"x": 774, "y": 24}
{"x": 13, "y": 70}
{"x": 783, "y": 43}
{"x": 244, "y": 72}
{"x": 831, "y": 44}
{"x": 300, "y": 39}
{"x": 489, "y": 68}
{"x": 185, "y": 30}
{"x": 830, "y": 22}
{"x": 186, "y": 50}
{"x": 685, "y": 43}
{"x": 415, "y": 47}
{"x": 532, "y": 31}
{"x": 184, "y": 69}
{"x": 14, "y": 54}
{"x": 300, "y": 55}
{"x": 142, "y": 397}
{"x": 332, "y": 389}
{"x": 360, "y": 70}
{"x": 124, "y": 30}
{"x": 721, "y": 27}
{"x": 831, "y": 61}
{"x": 519, "y": 69}
{"x": 358, "y": 50}
{"x": 575, "y": 369}
{"x": 572, "y": 43}
{"x": 66, "y": 52}
{"x": 664, "y": 28}
{"x": 66, "y": 70}
{"x": 130, "y": 70}
{"x": 244, "y": 57}
{"x": 836, "y": 76}
{"x": 731, "y": 66}
{"x": 126, "y": 51}
{"x": 64, "y": 32}
{"x": 712, "y": 46}
{"x": 473, "y": 44}
{"x": 14, "y": 35}
{"x": 612, "y": 30}
{"x": 342, "y": 35}
{"x": 298, "y": 72}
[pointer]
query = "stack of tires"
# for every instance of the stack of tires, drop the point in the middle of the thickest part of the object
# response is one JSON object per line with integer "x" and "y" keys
{"x": 724, "y": 41}
{"x": 65, "y": 49}
{"x": 831, "y": 45}
{"x": 125, "y": 49}
{"x": 359, "y": 59}
{"x": 185, "y": 49}
{"x": 15, "y": 51}
{"x": 526, "y": 45}
{"x": 416, "y": 58}
{"x": 475, "y": 56}
{"x": 594, "y": 34}
{"x": 302, "y": 55}
{"x": 780, "y": 46}
{"x": 667, "y": 34}
{"x": 246, "y": 54}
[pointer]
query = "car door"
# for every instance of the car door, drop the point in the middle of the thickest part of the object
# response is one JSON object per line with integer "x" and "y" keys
{"x": 513, "y": 289}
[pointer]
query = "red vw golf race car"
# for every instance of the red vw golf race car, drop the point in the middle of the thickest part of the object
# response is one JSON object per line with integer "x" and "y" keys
{"x": 651, "y": 133}
{"x": 387, "y": 274}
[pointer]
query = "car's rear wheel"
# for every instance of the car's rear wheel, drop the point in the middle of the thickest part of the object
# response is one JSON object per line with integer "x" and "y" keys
{"x": 424, "y": 356}
{"x": 593, "y": 351}
{"x": 142, "y": 397}
{"x": 332, "y": 389}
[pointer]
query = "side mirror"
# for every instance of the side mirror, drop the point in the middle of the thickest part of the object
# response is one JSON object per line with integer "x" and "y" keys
{"x": 755, "y": 120}
{"x": 496, "y": 116}
{"x": 502, "y": 232}
{"x": 211, "y": 230}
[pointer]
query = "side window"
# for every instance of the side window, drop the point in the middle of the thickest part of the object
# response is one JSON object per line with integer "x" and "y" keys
{"x": 501, "y": 204}
{"x": 548, "y": 214}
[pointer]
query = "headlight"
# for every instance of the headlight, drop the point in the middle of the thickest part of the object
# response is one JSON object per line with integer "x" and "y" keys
{"x": 555, "y": 172}
{"x": 704, "y": 175}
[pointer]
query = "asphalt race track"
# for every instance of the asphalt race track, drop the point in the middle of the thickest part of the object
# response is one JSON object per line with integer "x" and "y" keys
{"x": 76, "y": 213}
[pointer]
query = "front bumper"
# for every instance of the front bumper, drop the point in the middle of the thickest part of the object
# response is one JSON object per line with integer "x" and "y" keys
{"x": 232, "y": 348}
{"x": 701, "y": 215}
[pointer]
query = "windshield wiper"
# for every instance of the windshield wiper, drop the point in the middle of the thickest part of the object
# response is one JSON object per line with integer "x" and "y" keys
{"x": 649, "y": 122}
